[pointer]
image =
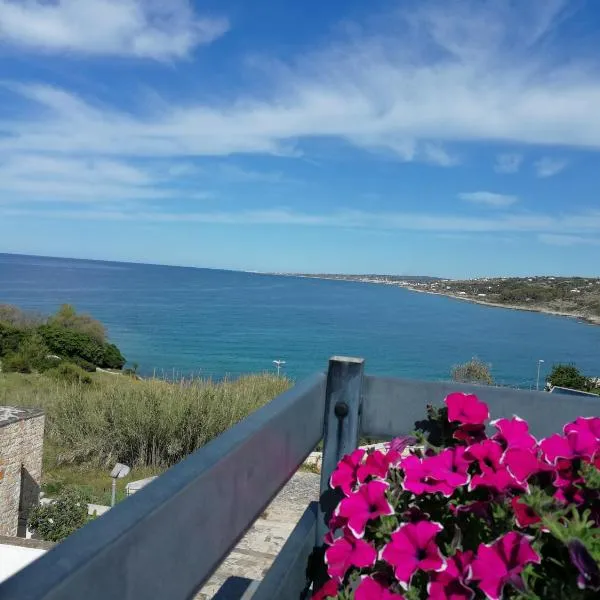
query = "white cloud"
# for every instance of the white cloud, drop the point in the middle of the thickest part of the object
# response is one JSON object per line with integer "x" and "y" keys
{"x": 548, "y": 167}
{"x": 508, "y": 163}
{"x": 546, "y": 226}
{"x": 414, "y": 84}
{"x": 489, "y": 199}
{"x": 557, "y": 239}
{"x": 39, "y": 178}
{"x": 156, "y": 29}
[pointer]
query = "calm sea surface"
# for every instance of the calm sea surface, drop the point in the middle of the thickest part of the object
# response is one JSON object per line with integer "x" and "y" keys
{"x": 213, "y": 323}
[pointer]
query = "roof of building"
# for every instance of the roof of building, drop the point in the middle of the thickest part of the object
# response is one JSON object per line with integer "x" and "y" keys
{"x": 12, "y": 414}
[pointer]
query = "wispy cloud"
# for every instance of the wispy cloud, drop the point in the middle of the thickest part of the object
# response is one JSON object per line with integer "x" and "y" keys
{"x": 489, "y": 199}
{"x": 157, "y": 29}
{"x": 490, "y": 79}
{"x": 564, "y": 226}
{"x": 548, "y": 167}
{"x": 557, "y": 239}
{"x": 508, "y": 163}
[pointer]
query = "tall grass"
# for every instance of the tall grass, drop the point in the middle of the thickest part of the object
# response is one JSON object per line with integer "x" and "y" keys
{"x": 142, "y": 423}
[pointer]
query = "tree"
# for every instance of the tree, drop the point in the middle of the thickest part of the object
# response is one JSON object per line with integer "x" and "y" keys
{"x": 67, "y": 317}
{"x": 473, "y": 371}
{"x": 58, "y": 520}
{"x": 569, "y": 376}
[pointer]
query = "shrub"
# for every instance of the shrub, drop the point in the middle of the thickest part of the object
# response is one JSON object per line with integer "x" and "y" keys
{"x": 10, "y": 338}
{"x": 68, "y": 344}
{"x": 70, "y": 373}
{"x": 67, "y": 317}
{"x": 473, "y": 371}
{"x": 56, "y": 521}
{"x": 84, "y": 364}
{"x": 468, "y": 516}
{"x": 31, "y": 356}
{"x": 569, "y": 376}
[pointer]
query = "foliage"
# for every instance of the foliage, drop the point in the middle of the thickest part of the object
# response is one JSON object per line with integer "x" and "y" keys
{"x": 473, "y": 371}
{"x": 141, "y": 423}
{"x": 31, "y": 355}
{"x": 465, "y": 515}
{"x": 13, "y": 315}
{"x": 70, "y": 373}
{"x": 56, "y": 521}
{"x": 569, "y": 376}
{"x": 27, "y": 342}
{"x": 67, "y": 317}
{"x": 67, "y": 343}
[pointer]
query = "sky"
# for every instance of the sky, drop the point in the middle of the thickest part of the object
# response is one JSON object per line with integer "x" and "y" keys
{"x": 451, "y": 138}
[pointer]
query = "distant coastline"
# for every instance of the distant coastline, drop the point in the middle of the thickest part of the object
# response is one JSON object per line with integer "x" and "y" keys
{"x": 435, "y": 286}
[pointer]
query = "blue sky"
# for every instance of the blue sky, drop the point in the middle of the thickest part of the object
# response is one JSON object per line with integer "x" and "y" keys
{"x": 455, "y": 138}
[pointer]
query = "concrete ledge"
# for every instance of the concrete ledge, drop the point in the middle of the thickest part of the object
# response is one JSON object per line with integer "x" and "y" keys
{"x": 25, "y": 543}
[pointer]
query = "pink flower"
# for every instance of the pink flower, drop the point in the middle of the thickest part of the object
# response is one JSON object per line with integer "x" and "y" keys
{"x": 577, "y": 443}
{"x": 419, "y": 478}
{"x": 466, "y": 408}
{"x": 514, "y": 433}
{"x": 376, "y": 465}
{"x": 470, "y": 434}
{"x": 328, "y": 590}
{"x": 345, "y": 474}
{"x": 451, "y": 466}
{"x": 494, "y": 474}
{"x": 367, "y": 503}
{"x": 501, "y": 562}
{"x": 450, "y": 584}
{"x": 371, "y": 589}
{"x": 413, "y": 547}
{"x": 400, "y": 444}
{"x": 590, "y": 424}
{"x": 348, "y": 552}
{"x": 524, "y": 514}
{"x": 335, "y": 523}
{"x": 522, "y": 463}
{"x": 570, "y": 494}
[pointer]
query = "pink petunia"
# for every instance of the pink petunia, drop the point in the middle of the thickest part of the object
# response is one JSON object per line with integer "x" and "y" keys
{"x": 522, "y": 463}
{"x": 367, "y": 503}
{"x": 466, "y": 408}
{"x": 450, "y": 584}
{"x": 413, "y": 547}
{"x": 514, "y": 433}
{"x": 501, "y": 562}
{"x": 376, "y": 465}
{"x": 371, "y": 589}
{"x": 590, "y": 424}
{"x": 335, "y": 523}
{"x": 470, "y": 434}
{"x": 579, "y": 443}
{"x": 419, "y": 478}
{"x": 494, "y": 475}
{"x": 451, "y": 466}
{"x": 328, "y": 590}
{"x": 345, "y": 474}
{"x": 524, "y": 514}
{"x": 348, "y": 552}
{"x": 570, "y": 494}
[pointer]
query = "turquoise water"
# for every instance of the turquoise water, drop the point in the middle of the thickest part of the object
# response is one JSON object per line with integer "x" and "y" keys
{"x": 214, "y": 323}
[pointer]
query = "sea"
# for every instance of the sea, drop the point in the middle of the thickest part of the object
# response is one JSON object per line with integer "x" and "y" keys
{"x": 177, "y": 322}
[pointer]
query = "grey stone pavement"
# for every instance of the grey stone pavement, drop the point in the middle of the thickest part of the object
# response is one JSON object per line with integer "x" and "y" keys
{"x": 253, "y": 556}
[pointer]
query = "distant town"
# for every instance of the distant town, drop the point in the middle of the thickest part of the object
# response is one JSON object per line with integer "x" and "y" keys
{"x": 569, "y": 296}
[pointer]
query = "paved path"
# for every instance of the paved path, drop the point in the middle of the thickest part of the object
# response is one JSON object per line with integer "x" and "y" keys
{"x": 252, "y": 557}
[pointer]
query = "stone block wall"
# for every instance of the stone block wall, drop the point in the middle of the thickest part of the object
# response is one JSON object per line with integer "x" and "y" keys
{"x": 21, "y": 447}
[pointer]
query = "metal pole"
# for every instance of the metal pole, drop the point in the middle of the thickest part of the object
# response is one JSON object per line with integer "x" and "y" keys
{"x": 537, "y": 385}
{"x": 114, "y": 491}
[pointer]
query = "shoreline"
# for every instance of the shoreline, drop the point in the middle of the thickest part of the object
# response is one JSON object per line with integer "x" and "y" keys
{"x": 590, "y": 320}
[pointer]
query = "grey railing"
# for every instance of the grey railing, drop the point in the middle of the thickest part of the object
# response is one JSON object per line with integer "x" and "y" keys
{"x": 166, "y": 540}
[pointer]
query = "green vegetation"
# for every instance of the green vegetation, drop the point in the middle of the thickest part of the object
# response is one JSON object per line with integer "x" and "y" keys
{"x": 54, "y": 522}
{"x": 30, "y": 343}
{"x": 569, "y": 376}
{"x": 148, "y": 424}
{"x": 473, "y": 371}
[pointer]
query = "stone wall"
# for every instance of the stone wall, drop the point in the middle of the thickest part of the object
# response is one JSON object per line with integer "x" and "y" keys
{"x": 21, "y": 447}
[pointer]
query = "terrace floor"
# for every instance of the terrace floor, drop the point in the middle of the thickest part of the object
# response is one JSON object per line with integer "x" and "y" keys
{"x": 253, "y": 556}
